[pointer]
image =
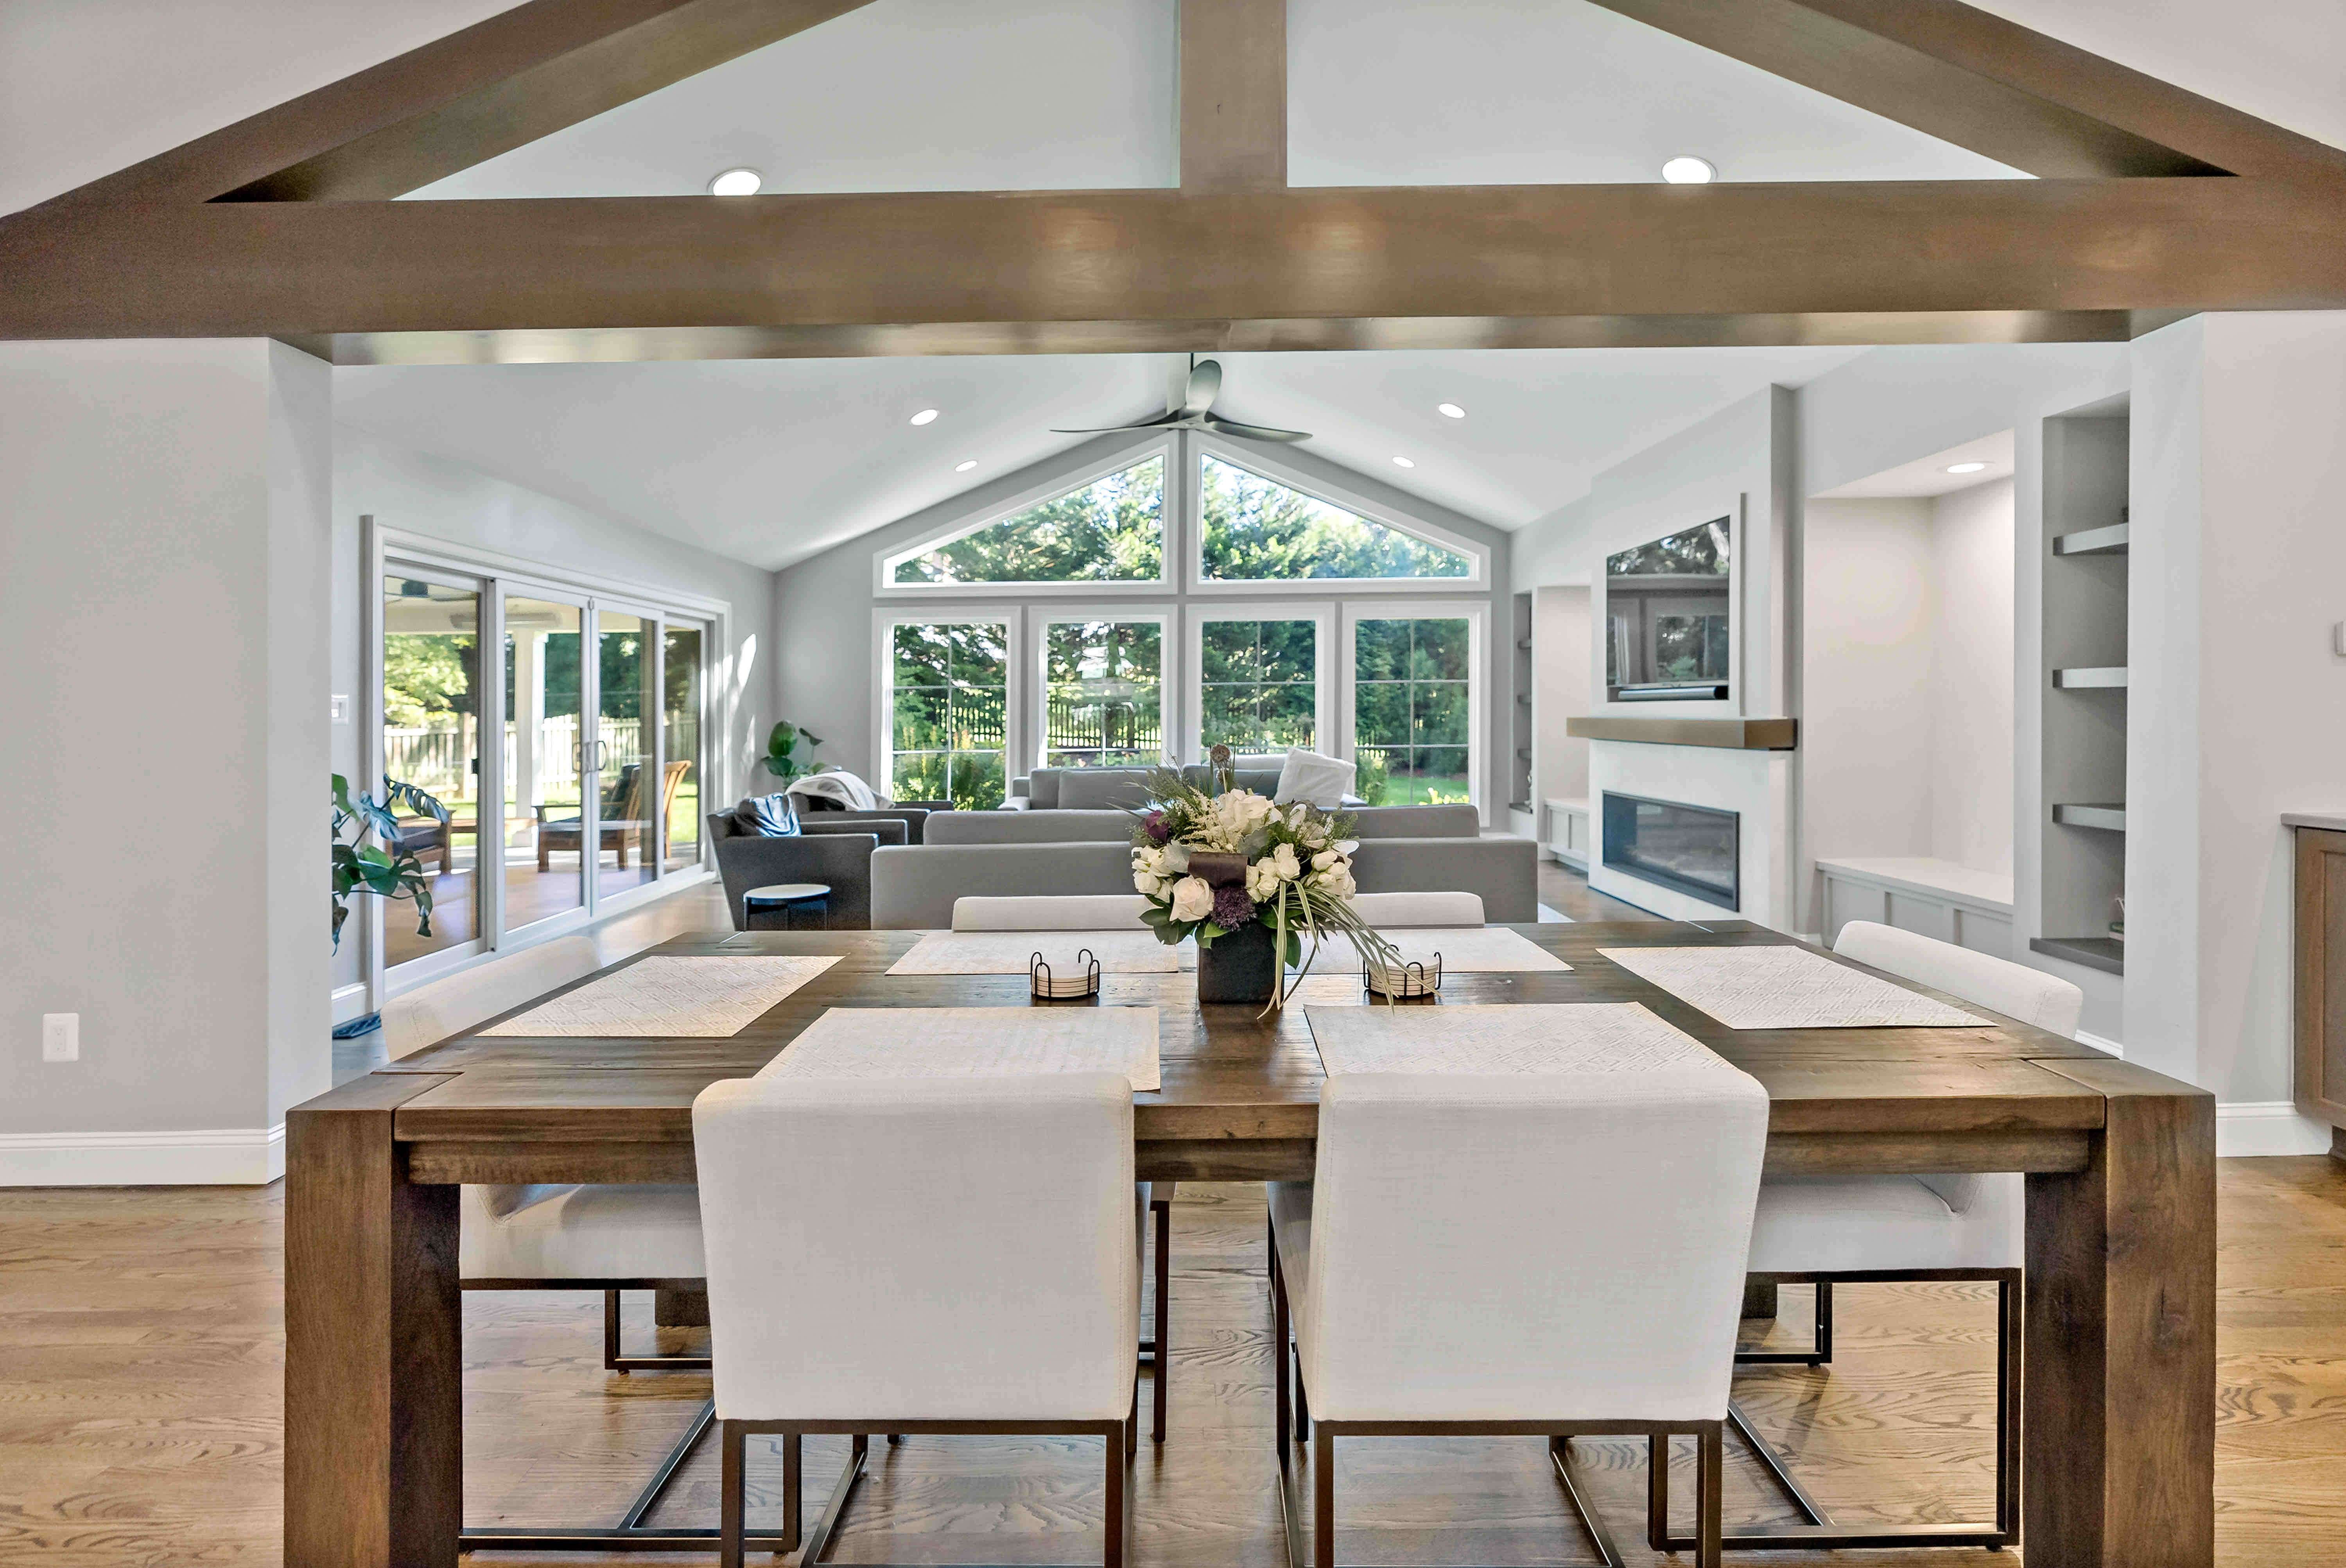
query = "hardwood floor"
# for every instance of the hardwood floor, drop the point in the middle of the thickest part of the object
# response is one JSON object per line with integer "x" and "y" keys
{"x": 1567, "y": 892}
{"x": 141, "y": 1398}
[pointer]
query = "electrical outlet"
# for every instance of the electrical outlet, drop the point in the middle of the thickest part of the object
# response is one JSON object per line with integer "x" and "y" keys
{"x": 60, "y": 1036}
{"x": 340, "y": 709}
{"x": 2337, "y": 639}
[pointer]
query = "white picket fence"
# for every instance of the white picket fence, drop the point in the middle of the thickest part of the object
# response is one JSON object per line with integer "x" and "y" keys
{"x": 436, "y": 760}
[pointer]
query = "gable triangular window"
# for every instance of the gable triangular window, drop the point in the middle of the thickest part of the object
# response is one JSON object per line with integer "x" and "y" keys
{"x": 1111, "y": 530}
{"x": 1258, "y": 530}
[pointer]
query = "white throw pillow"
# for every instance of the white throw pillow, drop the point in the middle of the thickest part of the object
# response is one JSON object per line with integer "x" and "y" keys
{"x": 1308, "y": 776}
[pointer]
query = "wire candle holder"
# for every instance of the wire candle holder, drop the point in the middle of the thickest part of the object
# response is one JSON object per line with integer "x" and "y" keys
{"x": 1412, "y": 981}
{"x": 1043, "y": 986}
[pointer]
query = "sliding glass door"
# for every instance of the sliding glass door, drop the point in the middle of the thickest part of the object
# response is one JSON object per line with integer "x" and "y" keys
{"x": 546, "y": 788}
{"x": 431, "y": 705}
{"x": 545, "y": 686}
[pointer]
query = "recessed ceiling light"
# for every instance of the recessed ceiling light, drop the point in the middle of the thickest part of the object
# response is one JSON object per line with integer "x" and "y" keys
{"x": 1452, "y": 409}
{"x": 964, "y": 465}
{"x": 1405, "y": 462}
{"x": 736, "y": 182}
{"x": 1967, "y": 468}
{"x": 1689, "y": 171}
{"x": 926, "y": 416}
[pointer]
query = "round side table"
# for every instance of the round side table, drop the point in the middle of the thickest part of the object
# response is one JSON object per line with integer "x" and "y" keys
{"x": 779, "y": 898}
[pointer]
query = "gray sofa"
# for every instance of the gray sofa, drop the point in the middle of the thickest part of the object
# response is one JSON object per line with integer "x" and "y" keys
{"x": 1122, "y": 788}
{"x": 1068, "y": 826}
{"x": 914, "y": 889}
{"x": 834, "y": 848}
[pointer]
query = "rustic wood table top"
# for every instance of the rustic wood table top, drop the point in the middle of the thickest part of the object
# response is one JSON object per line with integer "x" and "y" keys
{"x": 2120, "y": 1290}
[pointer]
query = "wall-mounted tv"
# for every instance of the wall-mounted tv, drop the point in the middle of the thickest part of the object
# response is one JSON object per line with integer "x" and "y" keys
{"x": 1668, "y": 618}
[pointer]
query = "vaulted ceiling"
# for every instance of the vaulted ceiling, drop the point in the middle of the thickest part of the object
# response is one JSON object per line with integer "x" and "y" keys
{"x": 773, "y": 461}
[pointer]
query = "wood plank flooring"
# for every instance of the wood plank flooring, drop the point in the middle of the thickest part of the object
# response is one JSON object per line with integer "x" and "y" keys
{"x": 140, "y": 1400}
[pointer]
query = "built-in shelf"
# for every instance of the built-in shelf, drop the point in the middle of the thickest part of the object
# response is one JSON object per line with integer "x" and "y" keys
{"x": 2110, "y": 541}
{"x": 2090, "y": 679}
{"x": 2078, "y": 814}
{"x": 2103, "y": 952}
{"x": 1722, "y": 734}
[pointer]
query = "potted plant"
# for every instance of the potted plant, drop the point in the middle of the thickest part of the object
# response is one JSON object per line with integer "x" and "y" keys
{"x": 779, "y": 746}
{"x": 1248, "y": 881}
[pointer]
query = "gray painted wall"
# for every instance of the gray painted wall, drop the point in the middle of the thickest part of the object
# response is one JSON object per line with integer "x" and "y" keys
{"x": 163, "y": 592}
{"x": 823, "y": 608}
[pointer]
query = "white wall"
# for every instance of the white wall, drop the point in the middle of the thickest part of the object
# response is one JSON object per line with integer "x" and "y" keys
{"x": 1870, "y": 608}
{"x": 1971, "y": 676}
{"x": 2239, "y": 555}
{"x": 163, "y": 617}
{"x": 1560, "y": 679}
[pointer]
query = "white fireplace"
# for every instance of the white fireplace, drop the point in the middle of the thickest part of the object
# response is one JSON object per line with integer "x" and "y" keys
{"x": 1755, "y": 787}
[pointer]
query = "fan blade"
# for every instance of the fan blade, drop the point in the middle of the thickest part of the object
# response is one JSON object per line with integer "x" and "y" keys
{"x": 1231, "y": 427}
{"x": 1205, "y": 385}
{"x": 1161, "y": 422}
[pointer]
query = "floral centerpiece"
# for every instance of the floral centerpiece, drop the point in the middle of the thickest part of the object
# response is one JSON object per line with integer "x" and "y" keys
{"x": 1248, "y": 881}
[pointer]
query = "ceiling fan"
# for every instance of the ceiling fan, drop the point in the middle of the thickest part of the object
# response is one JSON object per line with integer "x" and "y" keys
{"x": 1197, "y": 413}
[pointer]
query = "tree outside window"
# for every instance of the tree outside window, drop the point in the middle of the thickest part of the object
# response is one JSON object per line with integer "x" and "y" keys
{"x": 948, "y": 698}
{"x": 1258, "y": 530}
{"x": 1109, "y": 531}
{"x": 1259, "y": 686}
{"x": 1410, "y": 709}
{"x": 1103, "y": 694}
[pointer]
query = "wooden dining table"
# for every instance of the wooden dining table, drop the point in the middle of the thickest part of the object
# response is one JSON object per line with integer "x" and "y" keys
{"x": 2119, "y": 1389}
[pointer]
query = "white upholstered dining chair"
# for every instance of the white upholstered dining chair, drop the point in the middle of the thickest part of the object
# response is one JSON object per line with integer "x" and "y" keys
{"x": 1063, "y": 912}
{"x": 1824, "y": 1230}
{"x": 1403, "y": 911}
{"x": 1475, "y": 1256}
{"x": 844, "y": 1299}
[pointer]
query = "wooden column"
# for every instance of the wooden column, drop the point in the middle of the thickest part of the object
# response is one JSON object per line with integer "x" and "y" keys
{"x": 374, "y": 1457}
{"x": 1233, "y": 94}
{"x": 2118, "y": 1406}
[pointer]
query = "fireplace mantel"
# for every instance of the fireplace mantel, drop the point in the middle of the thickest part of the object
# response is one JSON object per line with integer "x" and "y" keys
{"x": 1718, "y": 734}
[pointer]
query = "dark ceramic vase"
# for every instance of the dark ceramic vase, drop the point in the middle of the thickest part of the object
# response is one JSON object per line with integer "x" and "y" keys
{"x": 1242, "y": 966}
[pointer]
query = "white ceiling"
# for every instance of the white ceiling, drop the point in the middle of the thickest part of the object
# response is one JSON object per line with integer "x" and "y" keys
{"x": 939, "y": 94}
{"x": 771, "y": 461}
{"x": 1929, "y": 475}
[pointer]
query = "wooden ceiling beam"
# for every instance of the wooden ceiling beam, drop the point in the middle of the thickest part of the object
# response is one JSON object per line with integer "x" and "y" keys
{"x": 457, "y": 101}
{"x": 1233, "y": 94}
{"x": 1958, "y": 73}
{"x": 1433, "y": 265}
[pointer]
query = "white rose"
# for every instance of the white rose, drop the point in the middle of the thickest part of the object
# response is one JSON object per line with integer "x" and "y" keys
{"x": 1192, "y": 898}
{"x": 1261, "y": 882}
{"x": 1323, "y": 859}
{"x": 1338, "y": 879}
{"x": 1283, "y": 860}
{"x": 1172, "y": 860}
{"x": 1154, "y": 886}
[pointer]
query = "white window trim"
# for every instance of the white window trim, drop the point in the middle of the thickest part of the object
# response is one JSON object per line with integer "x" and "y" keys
{"x": 884, "y": 622}
{"x": 1477, "y": 614}
{"x": 1321, "y": 613}
{"x": 1036, "y": 674}
{"x": 1256, "y": 461}
{"x": 885, "y": 561}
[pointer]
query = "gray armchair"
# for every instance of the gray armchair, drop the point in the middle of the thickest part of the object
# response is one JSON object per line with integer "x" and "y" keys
{"x": 831, "y": 846}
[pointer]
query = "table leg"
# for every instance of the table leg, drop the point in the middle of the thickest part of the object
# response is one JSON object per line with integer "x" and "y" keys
{"x": 374, "y": 1466}
{"x": 2118, "y": 1388}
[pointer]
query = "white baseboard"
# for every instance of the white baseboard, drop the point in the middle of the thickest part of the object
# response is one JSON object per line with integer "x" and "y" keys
{"x": 347, "y": 1001}
{"x": 233, "y": 1157}
{"x": 2268, "y": 1127}
{"x": 2101, "y": 1043}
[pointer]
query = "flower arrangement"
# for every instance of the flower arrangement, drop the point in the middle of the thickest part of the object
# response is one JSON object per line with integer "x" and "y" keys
{"x": 1214, "y": 865}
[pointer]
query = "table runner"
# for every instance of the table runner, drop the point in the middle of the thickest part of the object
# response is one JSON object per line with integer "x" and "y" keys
{"x": 1134, "y": 951}
{"x": 1785, "y": 988}
{"x": 1529, "y": 1037}
{"x": 956, "y": 1041}
{"x": 670, "y": 996}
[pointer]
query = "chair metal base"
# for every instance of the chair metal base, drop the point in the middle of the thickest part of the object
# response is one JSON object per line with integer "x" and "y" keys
{"x": 1154, "y": 1351}
{"x": 734, "y": 1540}
{"x": 1710, "y": 1484}
{"x": 631, "y": 1533}
{"x": 1820, "y": 1532}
